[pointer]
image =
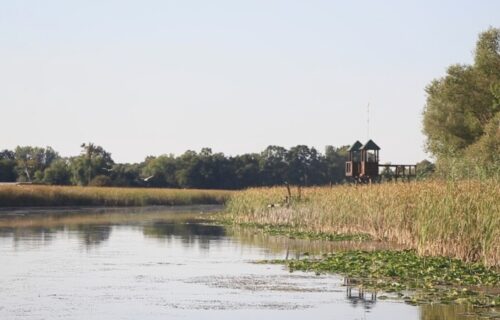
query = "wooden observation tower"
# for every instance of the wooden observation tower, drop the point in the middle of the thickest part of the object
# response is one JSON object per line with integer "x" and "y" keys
{"x": 363, "y": 166}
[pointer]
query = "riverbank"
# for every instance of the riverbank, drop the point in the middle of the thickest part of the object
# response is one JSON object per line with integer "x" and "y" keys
{"x": 449, "y": 232}
{"x": 64, "y": 196}
{"x": 456, "y": 219}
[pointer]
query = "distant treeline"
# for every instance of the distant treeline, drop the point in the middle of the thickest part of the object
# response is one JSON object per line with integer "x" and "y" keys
{"x": 275, "y": 165}
{"x": 94, "y": 166}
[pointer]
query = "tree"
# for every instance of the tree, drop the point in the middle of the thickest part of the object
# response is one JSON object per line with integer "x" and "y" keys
{"x": 224, "y": 171}
{"x": 486, "y": 151}
{"x": 246, "y": 171}
{"x": 461, "y": 105}
{"x": 387, "y": 174}
{"x": 92, "y": 161}
{"x": 58, "y": 173}
{"x": 7, "y": 166}
{"x": 335, "y": 159}
{"x": 303, "y": 165}
{"x": 188, "y": 173}
{"x": 425, "y": 169}
{"x": 160, "y": 171}
{"x": 100, "y": 181}
{"x": 125, "y": 175}
{"x": 32, "y": 161}
{"x": 273, "y": 166}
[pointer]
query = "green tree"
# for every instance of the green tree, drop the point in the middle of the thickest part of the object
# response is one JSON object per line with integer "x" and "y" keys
{"x": 188, "y": 173}
{"x": 7, "y": 166}
{"x": 486, "y": 151}
{"x": 93, "y": 161}
{"x": 246, "y": 171}
{"x": 425, "y": 169}
{"x": 461, "y": 105}
{"x": 335, "y": 159}
{"x": 160, "y": 171}
{"x": 125, "y": 175}
{"x": 304, "y": 166}
{"x": 32, "y": 161}
{"x": 58, "y": 173}
{"x": 273, "y": 166}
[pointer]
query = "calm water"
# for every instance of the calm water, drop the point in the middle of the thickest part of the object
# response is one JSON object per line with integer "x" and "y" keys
{"x": 157, "y": 263}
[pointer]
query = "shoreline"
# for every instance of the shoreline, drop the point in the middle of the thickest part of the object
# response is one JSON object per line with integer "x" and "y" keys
{"x": 23, "y": 196}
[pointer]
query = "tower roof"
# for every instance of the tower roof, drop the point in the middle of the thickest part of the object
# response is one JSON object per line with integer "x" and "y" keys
{"x": 370, "y": 145}
{"x": 355, "y": 146}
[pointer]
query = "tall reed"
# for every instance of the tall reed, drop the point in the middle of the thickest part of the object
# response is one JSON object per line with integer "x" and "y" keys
{"x": 456, "y": 219}
{"x": 33, "y": 195}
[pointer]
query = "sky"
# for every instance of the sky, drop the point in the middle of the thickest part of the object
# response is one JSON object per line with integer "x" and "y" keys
{"x": 153, "y": 77}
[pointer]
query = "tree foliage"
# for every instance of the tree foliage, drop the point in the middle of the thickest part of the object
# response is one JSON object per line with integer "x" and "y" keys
{"x": 93, "y": 161}
{"x": 299, "y": 165}
{"x": 7, "y": 166}
{"x": 58, "y": 173}
{"x": 460, "y": 118}
{"x": 32, "y": 161}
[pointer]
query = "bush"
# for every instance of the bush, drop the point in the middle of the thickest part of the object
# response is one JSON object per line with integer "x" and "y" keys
{"x": 101, "y": 181}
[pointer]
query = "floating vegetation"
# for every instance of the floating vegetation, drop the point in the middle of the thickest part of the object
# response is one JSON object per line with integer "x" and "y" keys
{"x": 293, "y": 233}
{"x": 296, "y": 234}
{"x": 431, "y": 279}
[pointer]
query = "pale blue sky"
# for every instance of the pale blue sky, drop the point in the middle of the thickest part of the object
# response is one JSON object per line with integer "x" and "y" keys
{"x": 152, "y": 77}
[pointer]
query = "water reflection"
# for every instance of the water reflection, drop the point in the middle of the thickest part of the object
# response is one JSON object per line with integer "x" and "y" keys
{"x": 152, "y": 263}
{"x": 91, "y": 235}
{"x": 186, "y": 231}
{"x": 295, "y": 247}
{"x": 357, "y": 296}
{"x": 455, "y": 312}
{"x": 190, "y": 232}
{"x": 34, "y": 236}
{"x": 94, "y": 226}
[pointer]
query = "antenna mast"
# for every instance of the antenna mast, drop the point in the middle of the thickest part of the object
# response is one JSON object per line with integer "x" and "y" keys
{"x": 368, "y": 121}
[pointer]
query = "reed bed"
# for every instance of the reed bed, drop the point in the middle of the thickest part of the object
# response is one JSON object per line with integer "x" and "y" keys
{"x": 54, "y": 196}
{"x": 438, "y": 218}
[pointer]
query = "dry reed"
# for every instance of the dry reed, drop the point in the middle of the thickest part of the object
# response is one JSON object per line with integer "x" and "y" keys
{"x": 52, "y": 196}
{"x": 455, "y": 219}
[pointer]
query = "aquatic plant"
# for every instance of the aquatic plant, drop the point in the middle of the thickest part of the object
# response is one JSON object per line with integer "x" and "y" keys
{"x": 456, "y": 219}
{"x": 292, "y": 233}
{"x": 433, "y": 279}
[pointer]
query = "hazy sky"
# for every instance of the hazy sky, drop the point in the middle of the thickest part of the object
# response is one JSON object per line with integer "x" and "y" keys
{"x": 153, "y": 77}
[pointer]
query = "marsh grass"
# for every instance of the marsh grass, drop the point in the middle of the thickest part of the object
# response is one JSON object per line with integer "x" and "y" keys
{"x": 438, "y": 218}
{"x": 54, "y": 196}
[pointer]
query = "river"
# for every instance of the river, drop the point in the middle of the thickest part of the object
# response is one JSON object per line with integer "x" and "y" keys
{"x": 163, "y": 263}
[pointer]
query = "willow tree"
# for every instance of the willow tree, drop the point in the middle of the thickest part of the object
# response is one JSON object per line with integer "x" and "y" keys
{"x": 462, "y": 107}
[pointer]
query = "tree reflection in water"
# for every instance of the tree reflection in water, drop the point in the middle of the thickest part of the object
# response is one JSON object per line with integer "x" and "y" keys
{"x": 33, "y": 236}
{"x": 189, "y": 232}
{"x": 92, "y": 235}
{"x": 93, "y": 226}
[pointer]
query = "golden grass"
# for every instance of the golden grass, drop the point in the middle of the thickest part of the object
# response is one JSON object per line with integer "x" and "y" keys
{"x": 456, "y": 219}
{"x": 48, "y": 196}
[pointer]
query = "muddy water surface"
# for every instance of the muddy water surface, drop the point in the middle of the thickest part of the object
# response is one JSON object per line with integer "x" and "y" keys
{"x": 161, "y": 263}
